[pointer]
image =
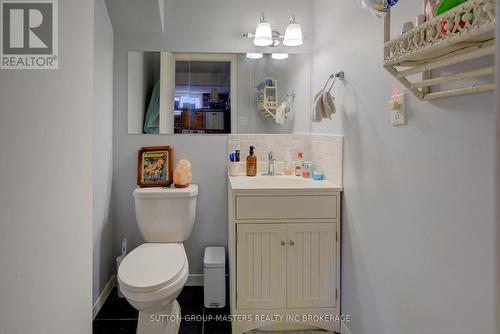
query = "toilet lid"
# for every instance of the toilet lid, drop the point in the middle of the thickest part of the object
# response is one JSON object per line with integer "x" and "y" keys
{"x": 152, "y": 266}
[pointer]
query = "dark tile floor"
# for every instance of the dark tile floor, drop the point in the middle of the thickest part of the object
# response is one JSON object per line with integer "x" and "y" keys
{"x": 118, "y": 317}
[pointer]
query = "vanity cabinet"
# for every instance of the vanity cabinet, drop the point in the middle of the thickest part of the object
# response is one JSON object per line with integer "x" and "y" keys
{"x": 261, "y": 266}
{"x": 284, "y": 259}
{"x": 311, "y": 265}
{"x": 285, "y": 265}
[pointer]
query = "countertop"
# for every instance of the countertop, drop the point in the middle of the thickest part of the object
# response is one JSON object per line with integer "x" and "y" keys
{"x": 244, "y": 182}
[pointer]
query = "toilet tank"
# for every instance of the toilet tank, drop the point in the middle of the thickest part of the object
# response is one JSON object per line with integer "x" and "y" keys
{"x": 165, "y": 214}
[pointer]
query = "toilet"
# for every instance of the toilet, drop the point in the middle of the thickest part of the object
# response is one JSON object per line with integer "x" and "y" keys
{"x": 152, "y": 276}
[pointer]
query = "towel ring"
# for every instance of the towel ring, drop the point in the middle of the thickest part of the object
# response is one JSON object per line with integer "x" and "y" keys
{"x": 339, "y": 75}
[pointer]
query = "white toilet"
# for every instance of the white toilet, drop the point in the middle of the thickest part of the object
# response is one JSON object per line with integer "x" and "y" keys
{"x": 153, "y": 275}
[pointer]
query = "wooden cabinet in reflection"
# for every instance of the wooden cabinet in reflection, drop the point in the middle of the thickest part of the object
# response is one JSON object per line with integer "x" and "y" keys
{"x": 193, "y": 120}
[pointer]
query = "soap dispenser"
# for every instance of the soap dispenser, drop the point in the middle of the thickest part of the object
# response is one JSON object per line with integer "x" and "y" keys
{"x": 298, "y": 165}
{"x": 251, "y": 163}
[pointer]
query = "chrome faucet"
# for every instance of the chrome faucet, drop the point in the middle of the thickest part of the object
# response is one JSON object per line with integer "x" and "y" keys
{"x": 271, "y": 167}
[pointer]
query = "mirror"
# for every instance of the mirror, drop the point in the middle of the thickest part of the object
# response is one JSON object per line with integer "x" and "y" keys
{"x": 179, "y": 93}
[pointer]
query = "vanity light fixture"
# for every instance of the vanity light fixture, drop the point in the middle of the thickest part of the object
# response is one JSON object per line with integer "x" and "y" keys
{"x": 265, "y": 36}
{"x": 263, "y": 33}
{"x": 254, "y": 55}
{"x": 293, "y": 34}
{"x": 279, "y": 56}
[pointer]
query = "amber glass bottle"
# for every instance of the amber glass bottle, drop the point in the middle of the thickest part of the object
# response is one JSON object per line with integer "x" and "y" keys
{"x": 251, "y": 163}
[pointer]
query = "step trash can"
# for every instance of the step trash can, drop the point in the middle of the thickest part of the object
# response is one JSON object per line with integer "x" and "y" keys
{"x": 214, "y": 274}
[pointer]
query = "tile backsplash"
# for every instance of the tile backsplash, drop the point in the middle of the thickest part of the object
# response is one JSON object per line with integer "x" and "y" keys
{"x": 325, "y": 151}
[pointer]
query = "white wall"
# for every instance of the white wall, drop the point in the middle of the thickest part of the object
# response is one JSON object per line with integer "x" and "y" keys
{"x": 102, "y": 227}
{"x": 191, "y": 26}
{"x": 419, "y": 203}
{"x": 46, "y": 186}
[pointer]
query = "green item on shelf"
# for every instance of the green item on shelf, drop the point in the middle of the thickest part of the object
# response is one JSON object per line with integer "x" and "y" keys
{"x": 446, "y": 5}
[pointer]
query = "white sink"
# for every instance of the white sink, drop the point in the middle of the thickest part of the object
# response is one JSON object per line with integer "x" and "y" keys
{"x": 279, "y": 182}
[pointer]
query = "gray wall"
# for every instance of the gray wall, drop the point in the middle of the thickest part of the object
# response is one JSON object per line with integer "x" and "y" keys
{"x": 190, "y": 28}
{"x": 102, "y": 227}
{"x": 46, "y": 186}
{"x": 218, "y": 25}
{"x": 419, "y": 203}
{"x": 498, "y": 180}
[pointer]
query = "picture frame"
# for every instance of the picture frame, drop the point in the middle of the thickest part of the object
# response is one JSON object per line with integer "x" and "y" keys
{"x": 155, "y": 166}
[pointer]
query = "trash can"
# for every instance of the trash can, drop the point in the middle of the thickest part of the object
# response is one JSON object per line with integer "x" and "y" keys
{"x": 214, "y": 272}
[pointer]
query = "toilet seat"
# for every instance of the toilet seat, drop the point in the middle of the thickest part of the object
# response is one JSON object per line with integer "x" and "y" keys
{"x": 152, "y": 267}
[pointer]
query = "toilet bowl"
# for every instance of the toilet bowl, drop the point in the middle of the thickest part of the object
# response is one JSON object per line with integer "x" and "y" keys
{"x": 152, "y": 276}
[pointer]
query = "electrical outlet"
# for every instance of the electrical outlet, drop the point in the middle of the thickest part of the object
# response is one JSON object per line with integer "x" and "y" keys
{"x": 397, "y": 107}
{"x": 243, "y": 121}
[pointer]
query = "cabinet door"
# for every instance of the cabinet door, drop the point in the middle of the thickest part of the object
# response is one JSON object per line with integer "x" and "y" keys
{"x": 311, "y": 265}
{"x": 261, "y": 266}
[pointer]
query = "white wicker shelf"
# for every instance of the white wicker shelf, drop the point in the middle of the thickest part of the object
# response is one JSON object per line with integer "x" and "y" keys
{"x": 267, "y": 100}
{"x": 462, "y": 34}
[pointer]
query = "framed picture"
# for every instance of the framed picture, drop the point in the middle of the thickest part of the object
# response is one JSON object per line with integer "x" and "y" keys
{"x": 154, "y": 167}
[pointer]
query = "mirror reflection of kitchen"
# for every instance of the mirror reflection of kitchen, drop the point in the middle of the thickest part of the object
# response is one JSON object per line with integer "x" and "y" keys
{"x": 174, "y": 93}
{"x": 202, "y": 102}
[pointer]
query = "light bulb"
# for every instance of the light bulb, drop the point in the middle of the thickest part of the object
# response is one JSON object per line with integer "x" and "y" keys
{"x": 263, "y": 33}
{"x": 254, "y": 55}
{"x": 293, "y": 34}
{"x": 279, "y": 56}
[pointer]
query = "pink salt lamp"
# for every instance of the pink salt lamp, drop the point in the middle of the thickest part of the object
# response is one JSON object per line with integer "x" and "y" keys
{"x": 183, "y": 174}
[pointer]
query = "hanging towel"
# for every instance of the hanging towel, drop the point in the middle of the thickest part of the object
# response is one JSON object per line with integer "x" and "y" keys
{"x": 324, "y": 103}
{"x": 280, "y": 113}
{"x": 152, "y": 118}
{"x": 328, "y": 105}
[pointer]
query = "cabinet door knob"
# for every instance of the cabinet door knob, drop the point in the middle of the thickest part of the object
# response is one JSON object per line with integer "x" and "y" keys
{"x": 283, "y": 242}
{"x": 292, "y": 243}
